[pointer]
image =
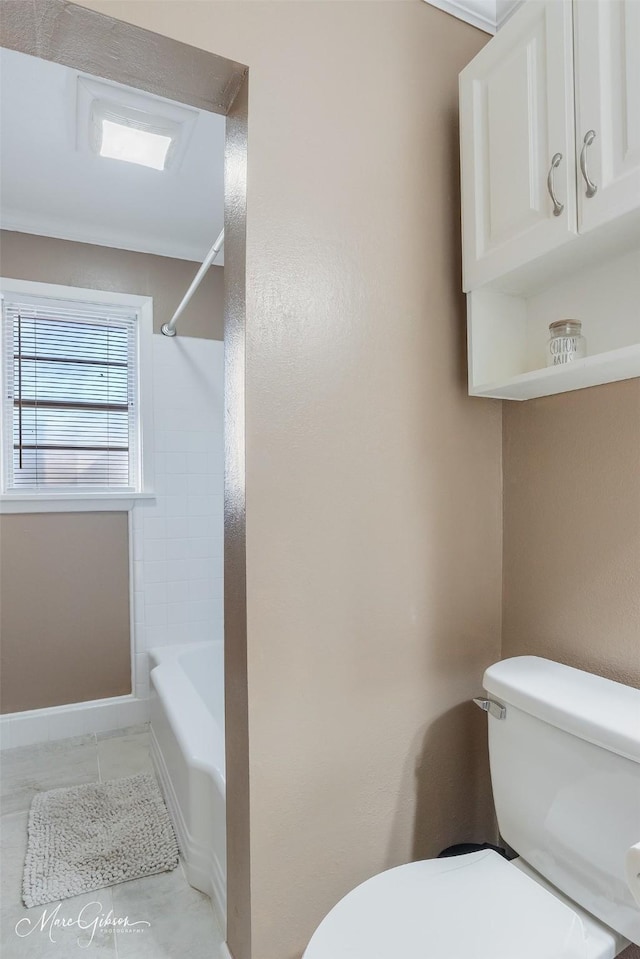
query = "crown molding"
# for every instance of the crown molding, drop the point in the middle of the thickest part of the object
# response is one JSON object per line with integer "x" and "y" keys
{"x": 486, "y": 15}
{"x": 15, "y": 222}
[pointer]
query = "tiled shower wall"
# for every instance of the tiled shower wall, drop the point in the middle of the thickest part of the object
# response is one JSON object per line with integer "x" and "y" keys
{"x": 178, "y": 539}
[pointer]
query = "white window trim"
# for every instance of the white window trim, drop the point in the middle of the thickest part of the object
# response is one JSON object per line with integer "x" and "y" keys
{"x": 86, "y": 500}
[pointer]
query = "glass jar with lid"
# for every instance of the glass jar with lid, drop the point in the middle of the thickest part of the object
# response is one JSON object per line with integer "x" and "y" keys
{"x": 566, "y": 342}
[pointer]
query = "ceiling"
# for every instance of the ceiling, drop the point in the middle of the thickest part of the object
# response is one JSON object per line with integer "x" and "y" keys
{"x": 50, "y": 187}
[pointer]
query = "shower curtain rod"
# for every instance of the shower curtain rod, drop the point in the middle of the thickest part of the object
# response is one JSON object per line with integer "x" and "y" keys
{"x": 169, "y": 329}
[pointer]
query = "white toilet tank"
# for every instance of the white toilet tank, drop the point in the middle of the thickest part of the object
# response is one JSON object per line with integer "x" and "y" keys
{"x": 565, "y": 768}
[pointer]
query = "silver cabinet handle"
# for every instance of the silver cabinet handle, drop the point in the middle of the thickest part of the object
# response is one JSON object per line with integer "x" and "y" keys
{"x": 557, "y": 206}
{"x": 592, "y": 189}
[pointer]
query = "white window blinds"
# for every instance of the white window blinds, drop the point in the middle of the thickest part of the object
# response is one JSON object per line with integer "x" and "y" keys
{"x": 70, "y": 381}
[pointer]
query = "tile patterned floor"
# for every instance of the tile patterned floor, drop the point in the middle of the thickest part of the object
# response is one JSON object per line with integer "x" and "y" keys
{"x": 181, "y": 918}
{"x": 182, "y": 922}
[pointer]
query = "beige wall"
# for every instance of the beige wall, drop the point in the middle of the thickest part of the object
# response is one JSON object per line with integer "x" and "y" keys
{"x": 24, "y": 256}
{"x": 80, "y": 655}
{"x": 64, "y": 609}
{"x": 373, "y": 481}
{"x": 572, "y": 529}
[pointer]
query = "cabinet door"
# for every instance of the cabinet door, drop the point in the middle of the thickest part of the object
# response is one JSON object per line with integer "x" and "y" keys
{"x": 516, "y": 116}
{"x": 607, "y": 109}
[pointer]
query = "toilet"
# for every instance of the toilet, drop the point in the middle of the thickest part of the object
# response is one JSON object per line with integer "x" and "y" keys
{"x": 564, "y": 750}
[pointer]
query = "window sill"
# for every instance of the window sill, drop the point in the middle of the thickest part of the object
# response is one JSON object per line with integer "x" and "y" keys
{"x": 70, "y": 502}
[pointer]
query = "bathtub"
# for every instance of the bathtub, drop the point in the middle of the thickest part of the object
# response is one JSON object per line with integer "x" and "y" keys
{"x": 187, "y": 749}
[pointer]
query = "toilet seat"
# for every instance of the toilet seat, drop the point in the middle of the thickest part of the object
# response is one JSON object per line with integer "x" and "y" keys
{"x": 477, "y": 906}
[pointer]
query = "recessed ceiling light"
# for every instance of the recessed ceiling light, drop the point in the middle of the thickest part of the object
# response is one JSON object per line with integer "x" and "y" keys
{"x": 121, "y": 142}
{"x": 119, "y": 133}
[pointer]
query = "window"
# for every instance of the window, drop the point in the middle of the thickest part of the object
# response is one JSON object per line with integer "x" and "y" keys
{"x": 71, "y": 395}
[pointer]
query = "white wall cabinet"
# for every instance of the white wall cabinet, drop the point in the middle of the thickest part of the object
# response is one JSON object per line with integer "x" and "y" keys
{"x": 517, "y": 133}
{"x": 523, "y": 102}
{"x": 607, "y": 95}
{"x": 550, "y": 141}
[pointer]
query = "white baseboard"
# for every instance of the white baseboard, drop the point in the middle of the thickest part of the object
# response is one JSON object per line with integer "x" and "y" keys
{"x": 77, "y": 719}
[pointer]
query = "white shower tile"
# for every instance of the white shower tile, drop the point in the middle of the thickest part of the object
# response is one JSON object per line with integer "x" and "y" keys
{"x": 154, "y": 549}
{"x": 173, "y": 417}
{"x": 176, "y": 506}
{"x": 197, "y": 463}
{"x": 199, "y": 485}
{"x": 181, "y": 633}
{"x": 138, "y": 574}
{"x": 137, "y": 543}
{"x": 218, "y": 550}
{"x": 203, "y": 548}
{"x": 177, "y": 484}
{"x": 199, "y": 612}
{"x": 156, "y": 615}
{"x": 196, "y": 568}
{"x": 201, "y": 505}
{"x": 176, "y": 462}
{"x": 200, "y": 589}
{"x": 177, "y": 527}
{"x": 155, "y": 572}
{"x": 154, "y": 593}
{"x": 178, "y": 572}
{"x": 201, "y": 418}
{"x": 177, "y": 613}
{"x": 177, "y": 592}
{"x": 214, "y": 440}
{"x": 177, "y": 441}
{"x": 142, "y": 665}
{"x": 202, "y": 632}
{"x": 161, "y": 484}
{"x": 142, "y": 676}
{"x": 197, "y": 441}
{"x": 178, "y": 549}
{"x": 213, "y": 566}
{"x": 207, "y": 569}
{"x": 180, "y": 536}
{"x": 203, "y": 526}
{"x": 154, "y": 527}
{"x": 214, "y": 462}
{"x": 155, "y": 636}
{"x": 138, "y": 606}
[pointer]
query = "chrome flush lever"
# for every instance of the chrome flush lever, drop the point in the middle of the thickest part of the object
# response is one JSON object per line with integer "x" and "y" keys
{"x": 497, "y": 710}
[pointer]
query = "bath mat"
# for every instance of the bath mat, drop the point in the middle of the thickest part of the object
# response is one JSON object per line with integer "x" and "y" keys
{"x": 83, "y": 838}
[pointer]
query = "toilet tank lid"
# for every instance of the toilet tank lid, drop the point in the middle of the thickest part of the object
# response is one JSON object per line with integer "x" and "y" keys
{"x": 591, "y": 707}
